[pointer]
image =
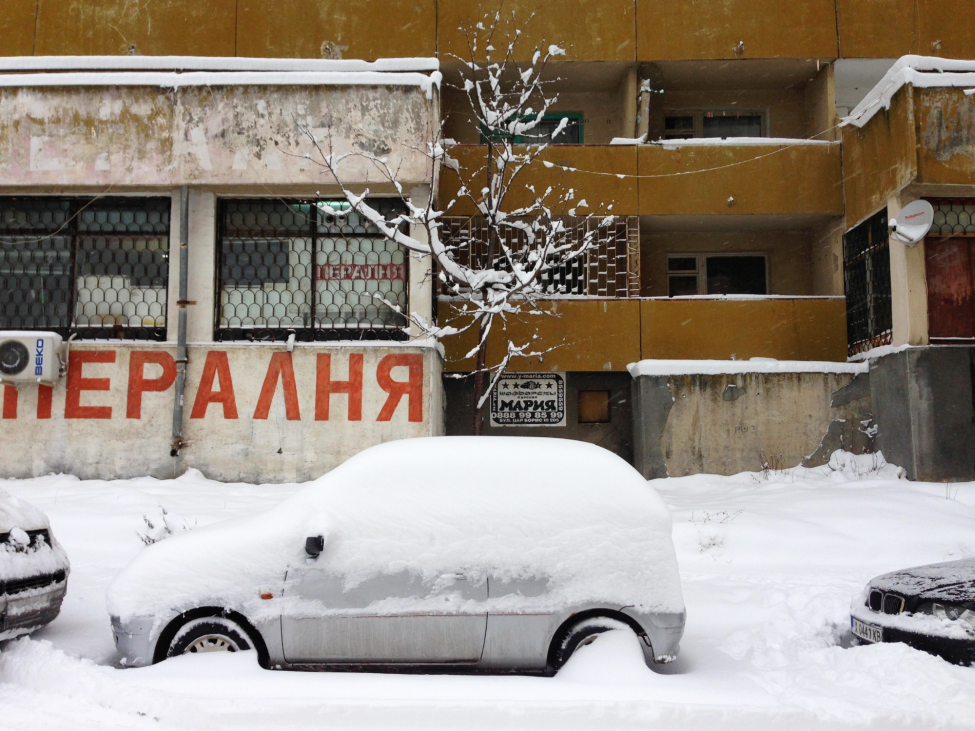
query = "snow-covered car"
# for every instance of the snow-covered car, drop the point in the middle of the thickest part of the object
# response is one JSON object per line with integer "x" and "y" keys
{"x": 33, "y": 569}
{"x": 931, "y": 608}
{"x": 486, "y": 553}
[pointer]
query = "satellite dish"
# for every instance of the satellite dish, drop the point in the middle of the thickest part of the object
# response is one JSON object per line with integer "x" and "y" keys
{"x": 913, "y": 223}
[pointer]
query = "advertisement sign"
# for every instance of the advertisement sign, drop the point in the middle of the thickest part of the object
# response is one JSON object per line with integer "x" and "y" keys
{"x": 529, "y": 399}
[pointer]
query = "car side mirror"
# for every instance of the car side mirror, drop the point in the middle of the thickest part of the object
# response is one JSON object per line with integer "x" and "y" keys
{"x": 314, "y": 545}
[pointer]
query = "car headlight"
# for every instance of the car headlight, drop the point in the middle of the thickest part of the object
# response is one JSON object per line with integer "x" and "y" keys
{"x": 951, "y": 612}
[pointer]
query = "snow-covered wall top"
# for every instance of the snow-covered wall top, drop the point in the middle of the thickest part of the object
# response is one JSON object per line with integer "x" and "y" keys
{"x": 208, "y": 63}
{"x": 756, "y": 365}
{"x": 919, "y": 71}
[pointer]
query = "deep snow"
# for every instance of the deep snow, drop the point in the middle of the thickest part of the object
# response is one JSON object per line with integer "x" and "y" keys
{"x": 769, "y": 564}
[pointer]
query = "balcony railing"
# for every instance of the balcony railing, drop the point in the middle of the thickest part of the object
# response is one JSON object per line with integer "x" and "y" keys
{"x": 608, "y": 334}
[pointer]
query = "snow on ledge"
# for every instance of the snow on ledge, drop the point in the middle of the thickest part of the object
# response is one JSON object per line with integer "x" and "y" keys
{"x": 209, "y": 63}
{"x": 738, "y": 142}
{"x": 919, "y": 71}
{"x": 169, "y": 80}
{"x": 731, "y": 367}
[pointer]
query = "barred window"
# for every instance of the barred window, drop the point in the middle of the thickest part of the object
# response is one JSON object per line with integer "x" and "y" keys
{"x": 866, "y": 273}
{"x": 98, "y": 268}
{"x": 315, "y": 268}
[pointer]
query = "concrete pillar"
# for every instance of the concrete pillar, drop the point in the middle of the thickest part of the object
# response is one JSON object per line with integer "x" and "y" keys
{"x": 909, "y": 297}
{"x": 631, "y": 92}
{"x": 420, "y": 294}
{"x": 202, "y": 268}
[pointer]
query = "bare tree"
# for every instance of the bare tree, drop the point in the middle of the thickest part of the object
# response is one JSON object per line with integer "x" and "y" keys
{"x": 513, "y": 257}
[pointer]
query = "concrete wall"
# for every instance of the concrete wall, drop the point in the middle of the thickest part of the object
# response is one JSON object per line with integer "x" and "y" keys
{"x": 119, "y": 136}
{"x": 253, "y": 413}
{"x": 725, "y": 424}
{"x": 922, "y": 398}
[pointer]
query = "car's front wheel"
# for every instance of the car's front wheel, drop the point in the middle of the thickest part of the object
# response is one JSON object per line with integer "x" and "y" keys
{"x": 209, "y": 634}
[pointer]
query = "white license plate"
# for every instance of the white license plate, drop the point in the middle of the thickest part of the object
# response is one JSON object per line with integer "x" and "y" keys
{"x": 867, "y": 631}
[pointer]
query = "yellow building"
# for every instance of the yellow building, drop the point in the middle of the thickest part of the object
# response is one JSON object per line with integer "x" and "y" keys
{"x": 753, "y": 224}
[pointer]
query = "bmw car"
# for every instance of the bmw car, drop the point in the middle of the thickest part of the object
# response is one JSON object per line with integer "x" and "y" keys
{"x": 931, "y": 608}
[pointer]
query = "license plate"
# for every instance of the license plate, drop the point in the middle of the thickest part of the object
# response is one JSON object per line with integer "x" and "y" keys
{"x": 867, "y": 632}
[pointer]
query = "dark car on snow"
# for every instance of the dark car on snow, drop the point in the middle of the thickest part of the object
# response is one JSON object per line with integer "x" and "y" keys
{"x": 931, "y": 608}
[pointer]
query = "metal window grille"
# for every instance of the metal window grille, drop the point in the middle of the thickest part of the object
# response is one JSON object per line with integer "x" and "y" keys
{"x": 611, "y": 268}
{"x": 953, "y": 217}
{"x": 866, "y": 268}
{"x": 96, "y": 268}
{"x": 313, "y": 268}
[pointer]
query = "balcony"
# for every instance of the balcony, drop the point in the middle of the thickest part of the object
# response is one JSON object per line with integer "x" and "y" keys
{"x": 724, "y": 178}
{"x": 606, "y": 335}
{"x": 924, "y": 139}
{"x": 700, "y": 179}
{"x": 734, "y": 29}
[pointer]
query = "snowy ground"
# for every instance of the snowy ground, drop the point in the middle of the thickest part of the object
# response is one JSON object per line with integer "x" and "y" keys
{"x": 769, "y": 564}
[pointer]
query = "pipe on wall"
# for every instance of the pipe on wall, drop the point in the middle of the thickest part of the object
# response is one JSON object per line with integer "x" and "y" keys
{"x": 181, "y": 356}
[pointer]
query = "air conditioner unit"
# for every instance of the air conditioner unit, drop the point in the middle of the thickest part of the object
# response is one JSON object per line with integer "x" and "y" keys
{"x": 29, "y": 357}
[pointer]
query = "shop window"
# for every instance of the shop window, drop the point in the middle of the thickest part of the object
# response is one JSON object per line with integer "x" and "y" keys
{"x": 697, "y": 274}
{"x": 96, "y": 268}
{"x": 594, "y": 407}
{"x": 545, "y": 131}
{"x": 315, "y": 268}
{"x": 714, "y": 123}
{"x": 866, "y": 275}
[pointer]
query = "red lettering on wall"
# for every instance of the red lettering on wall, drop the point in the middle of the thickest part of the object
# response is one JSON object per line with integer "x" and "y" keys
{"x": 361, "y": 272}
{"x": 9, "y": 402}
{"x": 325, "y": 387}
{"x": 280, "y": 367}
{"x": 216, "y": 365}
{"x": 413, "y": 389}
{"x": 45, "y": 395}
{"x": 139, "y": 384}
{"x": 78, "y": 383}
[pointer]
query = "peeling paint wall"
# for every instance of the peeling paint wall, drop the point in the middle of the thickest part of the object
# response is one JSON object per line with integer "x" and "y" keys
{"x": 219, "y": 135}
{"x": 254, "y": 413}
{"x": 726, "y": 424}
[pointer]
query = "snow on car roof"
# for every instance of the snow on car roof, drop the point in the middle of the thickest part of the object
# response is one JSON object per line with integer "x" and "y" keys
{"x": 15, "y": 513}
{"x": 488, "y": 506}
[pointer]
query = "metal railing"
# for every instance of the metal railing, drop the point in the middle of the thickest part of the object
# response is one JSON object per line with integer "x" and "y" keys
{"x": 866, "y": 273}
{"x": 610, "y": 268}
{"x": 92, "y": 267}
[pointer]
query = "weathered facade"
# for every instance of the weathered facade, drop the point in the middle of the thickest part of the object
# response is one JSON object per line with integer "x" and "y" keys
{"x": 753, "y": 224}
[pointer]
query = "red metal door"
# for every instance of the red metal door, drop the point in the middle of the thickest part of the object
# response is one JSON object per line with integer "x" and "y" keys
{"x": 951, "y": 289}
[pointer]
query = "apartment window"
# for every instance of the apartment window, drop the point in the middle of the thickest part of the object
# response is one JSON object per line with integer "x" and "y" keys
{"x": 314, "y": 268}
{"x": 866, "y": 275}
{"x": 714, "y": 123}
{"x": 92, "y": 267}
{"x": 545, "y": 131}
{"x": 694, "y": 274}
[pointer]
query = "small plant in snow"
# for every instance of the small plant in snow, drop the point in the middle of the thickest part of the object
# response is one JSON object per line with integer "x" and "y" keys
{"x": 163, "y": 527}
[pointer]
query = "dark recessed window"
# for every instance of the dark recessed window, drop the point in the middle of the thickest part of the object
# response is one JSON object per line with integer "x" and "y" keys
{"x": 749, "y": 125}
{"x": 593, "y": 407}
{"x": 736, "y": 275}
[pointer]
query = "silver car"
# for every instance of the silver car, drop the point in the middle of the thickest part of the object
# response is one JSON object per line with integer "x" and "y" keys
{"x": 378, "y": 566}
{"x": 33, "y": 569}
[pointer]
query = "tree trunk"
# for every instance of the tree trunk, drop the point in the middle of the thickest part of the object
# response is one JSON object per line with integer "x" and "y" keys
{"x": 480, "y": 376}
{"x": 479, "y": 381}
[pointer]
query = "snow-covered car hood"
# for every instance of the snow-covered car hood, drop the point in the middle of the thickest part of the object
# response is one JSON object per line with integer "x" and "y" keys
{"x": 508, "y": 508}
{"x": 15, "y": 513}
{"x": 18, "y": 561}
{"x": 952, "y": 581}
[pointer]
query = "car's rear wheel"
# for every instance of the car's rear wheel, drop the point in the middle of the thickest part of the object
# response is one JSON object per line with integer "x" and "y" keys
{"x": 580, "y": 635}
{"x": 209, "y": 634}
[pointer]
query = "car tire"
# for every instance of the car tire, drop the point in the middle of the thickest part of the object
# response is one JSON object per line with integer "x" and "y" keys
{"x": 209, "y": 634}
{"x": 581, "y": 634}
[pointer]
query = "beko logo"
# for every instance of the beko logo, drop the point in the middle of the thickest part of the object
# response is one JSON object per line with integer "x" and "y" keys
{"x": 39, "y": 357}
